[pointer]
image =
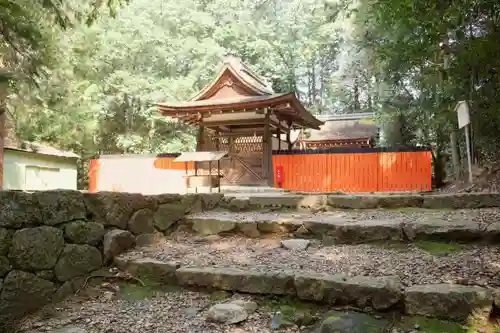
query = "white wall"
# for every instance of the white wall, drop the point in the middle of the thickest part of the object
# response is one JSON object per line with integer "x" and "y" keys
{"x": 138, "y": 174}
{"x": 32, "y": 171}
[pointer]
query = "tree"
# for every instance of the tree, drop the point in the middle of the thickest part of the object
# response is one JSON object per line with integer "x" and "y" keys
{"x": 24, "y": 36}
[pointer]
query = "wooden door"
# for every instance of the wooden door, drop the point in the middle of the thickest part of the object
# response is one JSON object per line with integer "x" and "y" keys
{"x": 243, "y": 166}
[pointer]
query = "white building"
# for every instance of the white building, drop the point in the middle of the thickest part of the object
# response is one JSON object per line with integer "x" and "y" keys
{"x": 32, "y": 166}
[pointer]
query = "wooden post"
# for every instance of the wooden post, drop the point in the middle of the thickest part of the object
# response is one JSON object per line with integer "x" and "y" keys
{"x": 200, "y": 138}
{"x": 267, "y": 165}
{"x": 210, "y": 174}
{"x": 278, "y": 135}
{"x": 288, "y": 139}
{"x": 217, "y": 140}
{"x": 218, "y": 173}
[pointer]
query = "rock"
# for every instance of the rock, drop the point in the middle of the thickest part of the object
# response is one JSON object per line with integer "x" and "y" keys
{"x": 212, "y": 226}
{"x": 248, "y": 306}
{"x": 117, "y": 242}
{"x": 207, "y": 239}
{"x": 301, "y": 231}
{"x": 446, "y": 301}
{"x": 167, "y": 215}
{"x": 83, "y": 232}
{"x": 148, "y": 239}
{"x": 456, "y": 230}
{"x": 71, "y": 329}
{"x": 77, "y": 260}
{"x": 461, "y": 200}
{"x": 36, "y": 248}
{"x": 238, "y": 205}
{"x": 166, "y": 198}
{"x": 46, "y": 275}
{"x": 226, "y": 313}
{"x": 313, "y": 203}
{"x": 278, "y": 322}
{"x": 351, "y": 322}
{"x": 156, "y": 270}
{"x": 354, "y": 232}
{"x": 116, "y": 208}
{"x": 235, "y": 279}
{"x": 276, "y": 227}
{"x": 69, "y": 288}
{"x": 380, "y": 293}
{"x": 295, "y": 244}
{"x": 23, "y": 293}
{"x": 210, "y": 200}
{"x": 352, "y": 202}
{"x": 141, "y": 222}
{"x": 5, "y": 266}
{"x": 400, "y": 201}
{"x": 19, "y": 209}
{"x": 192, "y": 203}
{"x": 59, "y": 206}
{"x": 5, "y": 240}
{"x": 249, "y": 229}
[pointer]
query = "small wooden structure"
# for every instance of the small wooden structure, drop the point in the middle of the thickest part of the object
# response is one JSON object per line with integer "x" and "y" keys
{"x": 239, "y": 113}
{"x": 355, "y": 130}
{"x": 202, "y": 180}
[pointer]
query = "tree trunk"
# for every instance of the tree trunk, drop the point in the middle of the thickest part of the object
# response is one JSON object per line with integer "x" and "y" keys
{"x": 455, "y": 155}
{"x": 438, "y": 168}
{"x": 2, "y": 126}
{"x": 356, "y": 106}
{"x": 4, "y": 85}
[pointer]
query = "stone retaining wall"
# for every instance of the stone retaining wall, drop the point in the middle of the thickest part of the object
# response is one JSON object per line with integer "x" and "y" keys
{"x": 50, "y": 241}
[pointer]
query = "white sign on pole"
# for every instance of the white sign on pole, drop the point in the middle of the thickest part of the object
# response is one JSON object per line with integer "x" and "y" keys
{"x": 462, "y": 110}
{"x": 463, "y": 115}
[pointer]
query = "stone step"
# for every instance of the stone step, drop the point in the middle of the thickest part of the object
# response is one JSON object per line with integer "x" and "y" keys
{"x": 383, "y": 293}
{"x": 335, "y": 228}
{"x": 321, "y": 202}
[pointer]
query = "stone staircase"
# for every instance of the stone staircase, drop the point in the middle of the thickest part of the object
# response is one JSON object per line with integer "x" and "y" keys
{"x": 374, "y": 253}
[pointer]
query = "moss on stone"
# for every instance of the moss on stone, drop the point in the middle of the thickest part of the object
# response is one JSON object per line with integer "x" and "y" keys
{"x": 436, "y": 247}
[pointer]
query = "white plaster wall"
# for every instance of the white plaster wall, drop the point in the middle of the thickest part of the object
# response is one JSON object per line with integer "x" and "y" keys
{"x": 138, "y": 175}
{"x": 30, "y": 171}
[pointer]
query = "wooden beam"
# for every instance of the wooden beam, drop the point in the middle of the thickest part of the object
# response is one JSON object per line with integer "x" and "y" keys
{"x": 235, "y": 122}
{"x": 278, "y": 135}
{"x": 267, "y": 142}
{"x": 288, "y": 139}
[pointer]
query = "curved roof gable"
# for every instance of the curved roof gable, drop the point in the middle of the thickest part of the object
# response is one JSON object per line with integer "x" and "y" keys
{"x": 234, "y": 73}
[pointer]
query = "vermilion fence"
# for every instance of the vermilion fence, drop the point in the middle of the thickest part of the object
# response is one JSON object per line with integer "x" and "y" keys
{"x": 347, "y": 170}
{"x": 354, "y": 170}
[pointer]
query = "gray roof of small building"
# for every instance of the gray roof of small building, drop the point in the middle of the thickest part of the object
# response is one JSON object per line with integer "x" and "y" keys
{"x": 38, "y": 148}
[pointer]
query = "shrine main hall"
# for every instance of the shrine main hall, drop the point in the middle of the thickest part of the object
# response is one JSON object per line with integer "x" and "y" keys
{"x": 239, "y": 113}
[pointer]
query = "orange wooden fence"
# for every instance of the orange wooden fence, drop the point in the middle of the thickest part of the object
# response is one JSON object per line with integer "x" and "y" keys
{"x": 354, "y": 170}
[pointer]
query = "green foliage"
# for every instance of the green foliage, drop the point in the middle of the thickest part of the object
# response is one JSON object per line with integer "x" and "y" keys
{"x": 99, "y": 83}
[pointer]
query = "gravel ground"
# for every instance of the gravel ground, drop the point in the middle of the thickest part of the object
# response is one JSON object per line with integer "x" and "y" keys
{"x": 471, "y": 264}
{"x": 172, "y": 311}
